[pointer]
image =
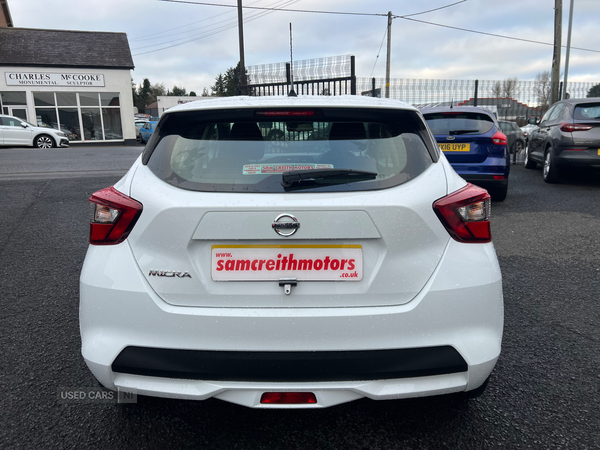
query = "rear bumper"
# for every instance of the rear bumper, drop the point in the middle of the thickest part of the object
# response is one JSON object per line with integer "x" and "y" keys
{"x": 590, "y": 158}
{"x": 485, "y": 181}
{"x": 340, "y": 354}
{"x": 315, "y": 366}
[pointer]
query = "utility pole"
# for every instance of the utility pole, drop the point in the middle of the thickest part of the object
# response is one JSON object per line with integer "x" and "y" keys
{"x": 242, "y": 62}
{"x": 568, "y": 50}
{"x": 557, "y": 49}
{"x": 389, "y": 56}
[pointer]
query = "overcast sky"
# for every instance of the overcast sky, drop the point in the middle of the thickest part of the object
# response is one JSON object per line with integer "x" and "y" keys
{"x": 187, "y": 44}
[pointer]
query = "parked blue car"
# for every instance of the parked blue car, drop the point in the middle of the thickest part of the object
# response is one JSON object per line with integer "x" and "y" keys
{"x": 147, "y": 130}
{"x": 474, "y": 144}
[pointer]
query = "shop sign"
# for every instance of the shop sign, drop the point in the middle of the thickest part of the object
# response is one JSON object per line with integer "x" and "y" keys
{"x": 54, "y": 79}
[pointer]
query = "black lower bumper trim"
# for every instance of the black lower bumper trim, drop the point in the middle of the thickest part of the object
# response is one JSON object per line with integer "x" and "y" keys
{"x": 289, "y": 366}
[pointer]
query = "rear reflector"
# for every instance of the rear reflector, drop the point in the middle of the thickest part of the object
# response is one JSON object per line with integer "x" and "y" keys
{"x": 113, "y": 216}
{"x": 288, "y": 398}
{"x": 466, "y": 214}
{"x": 499, "y": 138}
{"x": 499, "y": 177}
{"x": 570, "y": 127}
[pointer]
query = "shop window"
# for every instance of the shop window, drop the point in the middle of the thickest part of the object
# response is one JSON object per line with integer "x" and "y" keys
{"x": 112, "y": 123}
{"x": 44, "y": 99}
{"x": 109, "y": 98}
{"x": 46, "y": 117}
{"x": 66, "y": 98}
{"x": 91, "y": 124}
{"x": 13, "y": 98}
{"x": 69, "y": 121}
{"x": 89, "y": 99}
{"x": 83, "y": 116}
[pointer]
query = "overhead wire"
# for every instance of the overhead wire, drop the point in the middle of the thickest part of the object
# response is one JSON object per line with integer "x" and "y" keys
{"x": 491, "y": 34}
{"x": 156, "y": 35}
{"x": 379, "y": 52}
{"x": 210, "y": 32}
{"x": 275, "y": 9}
{"x": 404, "y": 17}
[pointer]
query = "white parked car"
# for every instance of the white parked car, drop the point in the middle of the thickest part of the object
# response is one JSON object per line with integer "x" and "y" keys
{"x": 17, "y": 132}
{"x": 345, "y": 260}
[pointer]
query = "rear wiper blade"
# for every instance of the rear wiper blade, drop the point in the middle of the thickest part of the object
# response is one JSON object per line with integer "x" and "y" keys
{"x": 330, "y": 176}
{"x": 453, "y": 132}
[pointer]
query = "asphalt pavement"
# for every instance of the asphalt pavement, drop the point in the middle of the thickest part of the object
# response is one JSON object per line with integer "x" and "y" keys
{"x": 544, "y": 392}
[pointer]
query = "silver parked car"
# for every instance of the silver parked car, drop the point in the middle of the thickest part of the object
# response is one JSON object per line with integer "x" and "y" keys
{"x": 515, "y": 137}
{"x": 567, "y": 135}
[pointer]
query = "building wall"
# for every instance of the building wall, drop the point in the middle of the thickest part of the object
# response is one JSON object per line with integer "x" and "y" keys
{"x": 167, "y": 101}
{"x": 115, "y": 81}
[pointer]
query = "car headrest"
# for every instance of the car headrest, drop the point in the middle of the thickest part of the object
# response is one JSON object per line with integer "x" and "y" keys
{"x": 245, "y": 131}
{"x": 347, "y": 131}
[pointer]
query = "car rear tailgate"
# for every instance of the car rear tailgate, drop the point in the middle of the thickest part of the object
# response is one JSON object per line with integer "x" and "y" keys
{"x": 393, "y": 236}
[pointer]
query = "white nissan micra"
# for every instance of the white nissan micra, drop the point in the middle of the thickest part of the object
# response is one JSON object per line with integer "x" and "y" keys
{"x": 291, "y": 252}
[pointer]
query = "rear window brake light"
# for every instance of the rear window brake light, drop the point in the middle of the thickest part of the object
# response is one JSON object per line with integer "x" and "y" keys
{"x": 290, "y": 113}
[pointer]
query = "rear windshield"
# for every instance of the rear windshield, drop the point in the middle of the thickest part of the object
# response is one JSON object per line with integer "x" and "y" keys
{"x": 252, "y": 150}
{"x": 457, "y": 123}
{"x": 587, "y": 111}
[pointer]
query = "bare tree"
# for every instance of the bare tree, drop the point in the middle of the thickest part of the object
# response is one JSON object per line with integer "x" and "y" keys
{"x": 510, "y": 87}
{"x": 542, "y": 88}
{"x": 497, "y": 89}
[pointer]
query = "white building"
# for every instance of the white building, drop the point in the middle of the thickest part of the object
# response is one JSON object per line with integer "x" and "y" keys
{"x": 164, "y": 102}
{"x": 76, "y": 81}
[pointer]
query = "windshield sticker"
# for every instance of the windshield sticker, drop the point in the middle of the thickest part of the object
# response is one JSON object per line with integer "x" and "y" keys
{"x": 260, "y": 169}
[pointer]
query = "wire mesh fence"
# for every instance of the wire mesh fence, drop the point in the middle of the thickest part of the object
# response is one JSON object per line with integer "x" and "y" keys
{"x": 510, "y": 99}
{"x": 304, "y": 70}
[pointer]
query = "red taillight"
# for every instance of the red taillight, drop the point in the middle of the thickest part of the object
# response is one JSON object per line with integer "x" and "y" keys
{"x": 570, "y": 127}
{"x": 466, "y": 214}
{"x": 499, "y": 138}
{"x": 113, "y": 216}
{"x": 288, "y": 398}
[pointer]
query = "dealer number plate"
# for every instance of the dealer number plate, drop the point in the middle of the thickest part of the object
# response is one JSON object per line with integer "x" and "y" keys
{"x": 272, "y": 262}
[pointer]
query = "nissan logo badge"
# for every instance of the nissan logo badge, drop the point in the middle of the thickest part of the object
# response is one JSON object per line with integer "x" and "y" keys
{"x": 285, "y": 228}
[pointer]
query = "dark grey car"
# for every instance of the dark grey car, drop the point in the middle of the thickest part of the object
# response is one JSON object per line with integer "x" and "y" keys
{"x": 514, "y": 135}
{"x": 567, "y": 135}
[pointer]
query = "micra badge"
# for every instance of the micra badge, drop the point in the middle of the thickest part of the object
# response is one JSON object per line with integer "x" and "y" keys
{"x": 169, "y": 274}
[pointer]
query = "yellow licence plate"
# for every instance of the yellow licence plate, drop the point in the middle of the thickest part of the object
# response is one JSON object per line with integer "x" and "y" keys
{"x": 599, "y": 152}
{"x": 456, "y": 147}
